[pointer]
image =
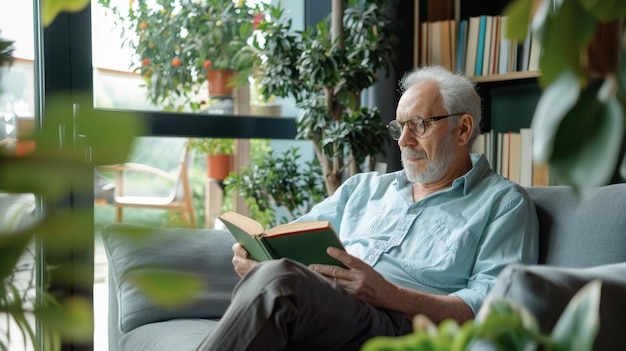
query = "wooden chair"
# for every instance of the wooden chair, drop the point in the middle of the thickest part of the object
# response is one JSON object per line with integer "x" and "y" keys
{"x": 179, "y": 199}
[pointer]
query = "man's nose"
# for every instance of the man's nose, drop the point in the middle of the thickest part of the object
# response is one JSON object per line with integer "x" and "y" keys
{"x": 407, "y": 138}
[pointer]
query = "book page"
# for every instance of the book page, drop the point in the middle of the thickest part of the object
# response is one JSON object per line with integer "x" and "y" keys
{"x": 297, "y": 227}
{"x": 247, "y": 224}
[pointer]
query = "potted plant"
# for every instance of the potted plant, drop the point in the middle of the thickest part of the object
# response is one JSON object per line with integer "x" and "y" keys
{"x": 220, "y": 155}
{"x": 326, "y": 72}
{"x": 278, "y": 181}
{"x": 181, "y": 44}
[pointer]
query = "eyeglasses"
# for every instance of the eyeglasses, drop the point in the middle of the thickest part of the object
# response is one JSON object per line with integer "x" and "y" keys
{"x": 417, "y": 125}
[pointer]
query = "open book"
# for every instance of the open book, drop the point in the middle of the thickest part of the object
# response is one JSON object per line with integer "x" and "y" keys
{"x": 305, "y": 242}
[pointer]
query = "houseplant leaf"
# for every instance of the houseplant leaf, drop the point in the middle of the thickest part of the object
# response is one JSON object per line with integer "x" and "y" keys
{"x": 519, "y": 13}
{"x": 168, "y": 289}
{"x": 52, "y": 8}
{"x": 564, "y": 35}
{"x": 578, "y": 325}
{"x": 554, "y": 103}
{"x": 587, "y": 143}
{"x": 605, "y": 10}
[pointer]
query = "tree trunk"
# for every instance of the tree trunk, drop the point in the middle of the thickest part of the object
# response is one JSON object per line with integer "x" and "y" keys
{"x": 333, "y": 169}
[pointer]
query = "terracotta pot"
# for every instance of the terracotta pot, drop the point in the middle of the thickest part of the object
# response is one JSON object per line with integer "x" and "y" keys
{"x": 219, "y": 80}
{"x": 218, "y": 166}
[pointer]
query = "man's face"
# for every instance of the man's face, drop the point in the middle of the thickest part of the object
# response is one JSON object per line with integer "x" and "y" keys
{"x": 425, "y": 158}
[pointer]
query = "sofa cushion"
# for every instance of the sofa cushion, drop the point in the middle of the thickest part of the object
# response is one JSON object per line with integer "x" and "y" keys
{"x": 180, "y": 335}
{"x": 581, "y": 230}
{"x": 545, "y": 291}
{"x": 205, "y": 254}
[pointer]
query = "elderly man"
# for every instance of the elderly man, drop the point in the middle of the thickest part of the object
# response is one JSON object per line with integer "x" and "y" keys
{"x": 429, "y": 239}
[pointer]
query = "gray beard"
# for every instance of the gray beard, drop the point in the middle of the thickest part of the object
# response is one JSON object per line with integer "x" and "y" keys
{"x": 436, "y": 167}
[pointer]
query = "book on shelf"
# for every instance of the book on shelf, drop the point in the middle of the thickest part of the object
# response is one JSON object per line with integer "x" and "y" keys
{"x": 491, "y": 144}
{"x": 480, "y": 50}
{"x": 461, "y": 47}
{"x": 506, "y": 145}
{"x": 515, "y": 145}
{"x": 424, "y": 54}
{"x": 523, "y": 53}
{"x": 453, "y": 39}
{"x": 473, "y": 28}
{"x": 434, "y": 43}
{"x": 487, "y": 53}
{"x": 505, "y": 47}
{"x": 446, "y": 44}
{"x": 305, "y": 242}
{"x": 499, "y": 153}
{"x": 541, "y": 174}
{"x": 479, "y": 146}
{"x": 495, "y": 46}
{"x": 535, "y": 52}
{"x": 526, "y": 157}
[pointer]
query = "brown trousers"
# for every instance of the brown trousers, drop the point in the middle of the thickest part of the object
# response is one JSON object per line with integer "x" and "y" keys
{"x": 283, "y": 305}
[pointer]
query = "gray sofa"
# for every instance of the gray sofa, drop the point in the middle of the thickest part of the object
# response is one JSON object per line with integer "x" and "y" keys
{"x": 579, "y": 240}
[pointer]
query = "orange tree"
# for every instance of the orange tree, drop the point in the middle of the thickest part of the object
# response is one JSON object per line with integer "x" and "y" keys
{"x": 176, "y": 42}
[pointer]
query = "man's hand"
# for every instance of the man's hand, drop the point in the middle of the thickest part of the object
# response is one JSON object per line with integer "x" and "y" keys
{"x": 360, "y": 279}
{"x": 241, "y": 262}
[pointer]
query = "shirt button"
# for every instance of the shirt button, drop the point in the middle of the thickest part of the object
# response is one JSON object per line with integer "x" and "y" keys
{"x": 370, "y": 257}
{"x": 394, "y": 241}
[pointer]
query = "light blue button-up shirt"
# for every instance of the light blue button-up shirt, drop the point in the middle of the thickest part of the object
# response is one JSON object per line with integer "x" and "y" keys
{"x": 454, "y": 242}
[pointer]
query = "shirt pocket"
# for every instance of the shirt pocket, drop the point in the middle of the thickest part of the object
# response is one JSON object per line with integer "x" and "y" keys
{"x": 361, "y": 225}
{"x": 442, "y": 257}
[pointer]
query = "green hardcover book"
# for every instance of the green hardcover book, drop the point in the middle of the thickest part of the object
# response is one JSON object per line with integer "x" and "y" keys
{"x": 305, "y": 242}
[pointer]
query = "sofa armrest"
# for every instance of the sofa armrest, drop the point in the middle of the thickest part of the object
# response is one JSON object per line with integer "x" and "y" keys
{"x": 202, "y": 253}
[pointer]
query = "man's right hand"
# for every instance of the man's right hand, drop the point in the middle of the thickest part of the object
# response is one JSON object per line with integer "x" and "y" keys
{"x": 241, "y": 262}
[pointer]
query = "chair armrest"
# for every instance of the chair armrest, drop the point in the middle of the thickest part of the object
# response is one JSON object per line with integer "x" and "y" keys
{"x": 136, "y": 167}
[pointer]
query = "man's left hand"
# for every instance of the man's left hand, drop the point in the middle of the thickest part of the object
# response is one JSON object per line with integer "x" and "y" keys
{"x": 360, "y": 279}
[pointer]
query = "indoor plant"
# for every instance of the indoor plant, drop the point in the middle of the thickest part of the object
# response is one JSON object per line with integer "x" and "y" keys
{"x": 219, "y": 154}
{"x": 503, "y": 325}
{"x": 274, "y": 182}
{"x": 579, "y": 121}
{"x": 178, "y": 43}
{"x": 326, "y": 72}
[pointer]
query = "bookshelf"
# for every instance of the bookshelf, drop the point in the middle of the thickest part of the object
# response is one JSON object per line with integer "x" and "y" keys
{"x": 509, "y": 92}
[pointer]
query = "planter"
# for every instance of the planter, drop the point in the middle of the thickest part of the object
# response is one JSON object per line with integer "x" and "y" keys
{"x": 220, "y": 83}
{"x": 218, "y": 166}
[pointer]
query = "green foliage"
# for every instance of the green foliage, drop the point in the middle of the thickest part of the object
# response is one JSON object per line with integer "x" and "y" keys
{"x": 6, "y": 52}
{"x": 505, "y": 326}
{"x": 213, "y": 146}
{"x": 326, "y": 79}
{"x": 52, "y": 8}
{"x": 579, "y": 122}
{"x": 176, "y": 42}
{"x": 279, "y": 181}
{"x": 65, "y": 171}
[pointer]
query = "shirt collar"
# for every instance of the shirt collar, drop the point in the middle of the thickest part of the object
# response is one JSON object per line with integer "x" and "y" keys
{"x": 480, "y": 168}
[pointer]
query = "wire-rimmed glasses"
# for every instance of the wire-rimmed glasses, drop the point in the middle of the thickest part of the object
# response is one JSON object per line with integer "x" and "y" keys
{"x": 417, "y": 125}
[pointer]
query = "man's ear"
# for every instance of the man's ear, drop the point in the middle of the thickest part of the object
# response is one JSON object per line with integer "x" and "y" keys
{"x": 465, "y": 129}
